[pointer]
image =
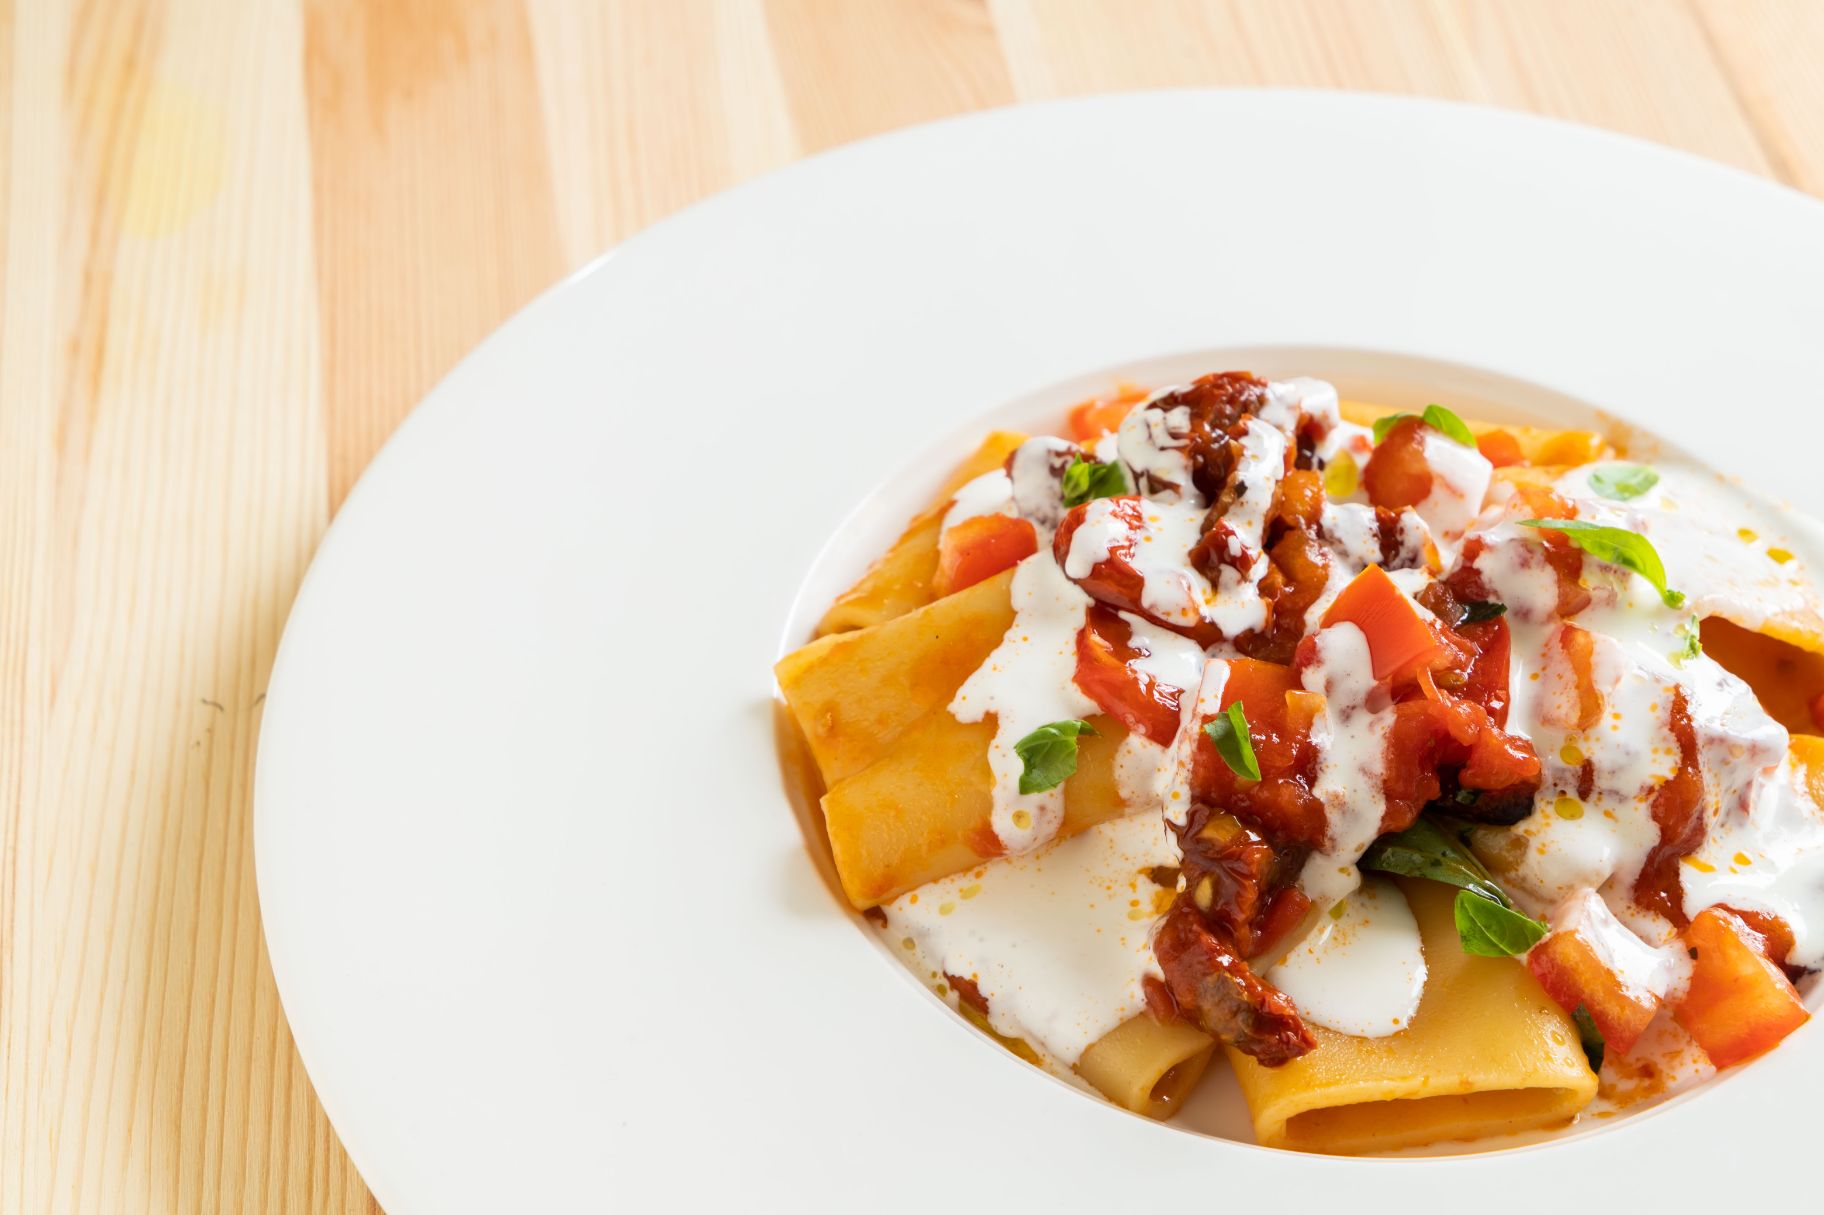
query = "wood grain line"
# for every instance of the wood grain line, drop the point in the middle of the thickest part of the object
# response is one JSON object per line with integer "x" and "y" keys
{"x": 433, "y": 199}
{"x": 852, "y": 70}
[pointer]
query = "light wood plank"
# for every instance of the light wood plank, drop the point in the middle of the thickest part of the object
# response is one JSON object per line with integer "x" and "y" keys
{"x": 1642, "y": 67}
{"x": 432, "y": 193}
{"x": 163, "y": 404}
{"x": 651, "y": 105}
{"x": 856, "y": 69}
{"x": 1773, "y": 54}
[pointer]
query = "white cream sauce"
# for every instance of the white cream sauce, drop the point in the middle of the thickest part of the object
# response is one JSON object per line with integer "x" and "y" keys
{"x": 1027, "y": 682}
{"x": 1460, "y": 478}
{"x": 1170, "y": 658}
{"x": 1727, "y": 552}
{"x": 1361, "y": 970}
{"x": 1159, "y": 549}
{"x": 1058, "y": 941}
{"x": 1647, "y": 974}
{"x": 1765, "y": 852}
{"x": 1175, "y": 778}
{"x": 989, "y": 494}
{"x": 1351, "y": 741}
{"x": 1035, "y": 475}
{"x": 1154, "y": 445}
{"x": 1754, "y": 812}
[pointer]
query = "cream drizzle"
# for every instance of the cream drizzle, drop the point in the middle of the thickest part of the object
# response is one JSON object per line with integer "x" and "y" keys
{"x": 1058, "y": 941}
{"x": 1361, "y": 970}
{"x": 1351, "y": 742}
{"x": 1027, "y": 682}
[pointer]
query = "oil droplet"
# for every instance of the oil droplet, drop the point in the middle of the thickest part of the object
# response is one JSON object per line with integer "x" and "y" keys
{"x": 1138, "y": 913}
{"x": 1700, "y": 866}
{"x": 1022, "y": 819}
{"x": 1780, "y": 556}
{"x": 1568, "y": 808}
{"x": 1748, "y": 534}
{"x": 907, "y": 943}
{"x": 1571, "y": 754}
{"x": 1336, "y": 912}
{"x": 1741, "y": 858}
{"x": 969, "y": 892}
{"x": 945, "y": 908}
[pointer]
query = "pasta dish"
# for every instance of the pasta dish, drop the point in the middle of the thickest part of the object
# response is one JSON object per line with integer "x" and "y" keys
{"x": 1442, "y": 780}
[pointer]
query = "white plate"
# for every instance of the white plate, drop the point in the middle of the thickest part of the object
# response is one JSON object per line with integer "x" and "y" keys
{"x": 542, "y": 917}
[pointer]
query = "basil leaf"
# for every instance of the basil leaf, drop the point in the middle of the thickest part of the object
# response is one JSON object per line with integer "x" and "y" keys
{"x": 1435, "y": 416}
{"x": 1049, "y": 754}
{"x": 1694, "y": 642}
{"x": 1383, "y": 425}
{"x": 1617, "y": 546}
{"x": 1623, "y": 482}
{"x": 1489, "y": 930}
{"x": 1085, "y": 480}
{"x": 1594, "y": 1045}
{"x": 1452, "y": 427}
{"x": 1430, "y": 851}
{"x": 1229, "y": 731}
{"x": 1487, "y": 609}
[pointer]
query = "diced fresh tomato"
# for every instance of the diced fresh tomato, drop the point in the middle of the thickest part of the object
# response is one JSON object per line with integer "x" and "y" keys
{"x": 1399, "y": 637}
{"x": 1114, "y": 579}
{"x": 1487, "y": 680}
{"x": 1398, "y": 474}
{"x": 1499, "y": 760}
{"x": 1573, "y": 974}
{"x": 1101, "y": 415}
{"x": 977, "y": 549}
{"x": 1105, "y": 652}
{"x": 1500, "y": 448}
{"x": 1739, "y": 1004}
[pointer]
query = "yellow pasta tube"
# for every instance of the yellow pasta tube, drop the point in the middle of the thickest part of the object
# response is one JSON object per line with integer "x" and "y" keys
{"x": 901, "y": 580}
{"x": 1488, "y": 1053}
{"x": 854, "y": 693}
{"x": 1787, "y": 674}
{"x": 924, "y": 809}
{"x": 1147, "y": 1067}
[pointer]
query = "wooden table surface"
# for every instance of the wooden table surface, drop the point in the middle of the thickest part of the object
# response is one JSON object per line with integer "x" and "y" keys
{"x": 240, "y": 238}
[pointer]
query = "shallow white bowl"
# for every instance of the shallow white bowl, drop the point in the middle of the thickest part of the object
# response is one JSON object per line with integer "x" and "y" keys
{"x": 542, "y": 916}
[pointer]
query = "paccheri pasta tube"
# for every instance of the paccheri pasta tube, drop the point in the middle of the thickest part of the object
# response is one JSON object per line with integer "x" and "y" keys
{"x": 1487, "y": 1054}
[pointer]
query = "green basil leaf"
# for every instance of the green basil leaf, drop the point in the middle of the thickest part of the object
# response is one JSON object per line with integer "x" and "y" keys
{"x": 1383, "y": 425}
{"x": 1429, "y": 850}
{"x": 1623, "y": 482}
{"x": 1490, "y": 930}
{"x": 1229, "y": 731}
{"x": 1693, "y": 642}
{"x": 1617, "y": 546}
{"x": 1594, "y": 1045}
{"x": 1487, "y": 609}
{"x": 1085, "y": 480}
{"x": 1449, "y": 424}
{"x": 1049, "y": 754}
